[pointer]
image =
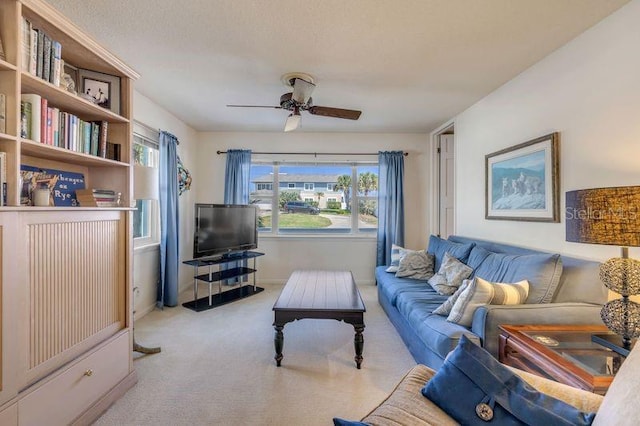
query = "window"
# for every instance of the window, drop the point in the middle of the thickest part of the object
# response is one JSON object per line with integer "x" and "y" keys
{"x": 146, "y": 228}
{"x": 327, "y": 192}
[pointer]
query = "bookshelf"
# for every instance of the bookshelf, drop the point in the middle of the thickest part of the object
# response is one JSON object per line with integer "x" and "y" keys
{"x": 65, "y": 319}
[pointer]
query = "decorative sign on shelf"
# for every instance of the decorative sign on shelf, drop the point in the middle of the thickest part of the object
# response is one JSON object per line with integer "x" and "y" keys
{"x": 62, "y": 185}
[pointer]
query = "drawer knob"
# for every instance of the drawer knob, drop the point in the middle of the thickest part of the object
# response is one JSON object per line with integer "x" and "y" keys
{"x": 88, "y": 373}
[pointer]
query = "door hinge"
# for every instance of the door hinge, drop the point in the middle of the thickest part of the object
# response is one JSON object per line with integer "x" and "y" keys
{"x": 438, "y": 150}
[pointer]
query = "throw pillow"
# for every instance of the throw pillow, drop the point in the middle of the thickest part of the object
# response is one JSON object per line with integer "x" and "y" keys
{"x": 480, "y": 292}
{"x": 415, "y": 264}
{"x": 475, "y": 389}
{"x": 449, "y": 276}
{"x": 445, "y": 308}
{"x": 342, "y": 422}
{"x": 395, "y": 258}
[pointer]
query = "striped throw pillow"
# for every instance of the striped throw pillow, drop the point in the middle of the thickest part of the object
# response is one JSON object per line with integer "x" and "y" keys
{"x": 480, "y": 292}
{"x": 395, "y": 258}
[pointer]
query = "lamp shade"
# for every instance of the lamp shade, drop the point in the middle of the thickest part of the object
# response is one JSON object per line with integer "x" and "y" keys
{"x": 608, "y": 216}
{"x": 145, "y": 183}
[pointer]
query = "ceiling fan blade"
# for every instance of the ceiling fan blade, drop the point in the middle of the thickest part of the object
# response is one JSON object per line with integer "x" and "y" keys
{"x": 254, "y": 106}
{"x": 349, "y": 114}
{"x": 302, "y": 90}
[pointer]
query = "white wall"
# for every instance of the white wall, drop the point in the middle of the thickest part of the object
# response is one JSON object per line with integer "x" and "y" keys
{"x": 589, "y": 91}
{"x": 146, "y": 260}
{"x": 283, "y": 254}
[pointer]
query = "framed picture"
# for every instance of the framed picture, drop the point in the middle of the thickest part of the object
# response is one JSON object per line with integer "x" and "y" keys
{"x": 521, "y": 182}
{"x": 104, "y": 89}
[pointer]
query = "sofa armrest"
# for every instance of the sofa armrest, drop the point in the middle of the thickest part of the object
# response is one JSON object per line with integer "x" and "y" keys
{"x": 486, "y": 319}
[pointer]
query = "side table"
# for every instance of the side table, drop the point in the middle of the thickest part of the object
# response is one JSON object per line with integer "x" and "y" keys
{"x": 564, "y": 353}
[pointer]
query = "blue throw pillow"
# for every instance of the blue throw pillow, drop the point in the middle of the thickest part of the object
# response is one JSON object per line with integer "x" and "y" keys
{"x": 475, "y": 389}
{"x": 438, "y": 247}
{"x": 341, "y": 422}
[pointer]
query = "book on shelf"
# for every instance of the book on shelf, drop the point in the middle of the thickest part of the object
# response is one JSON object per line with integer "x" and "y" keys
{"x": 3, "y": 113}
{"x": 36, "y": 104}
{"x": 113, "y": 151}
{"x": 62, "y": 184}
{"x": 102, "y": 142}
{"x": 46, "y": 58}
{"x": 43, "y": 120}
{"x": 56, "y": 63}
{"x": 3, "y": 178}
{"x": 33, "y": 52}
{"x": 25, "y": 120}
{"x": 40, "y": 53}
{"x": 26, "y": 43}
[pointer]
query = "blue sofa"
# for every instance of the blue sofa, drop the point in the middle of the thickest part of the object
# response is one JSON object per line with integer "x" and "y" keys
{"x": 563, "y": 290}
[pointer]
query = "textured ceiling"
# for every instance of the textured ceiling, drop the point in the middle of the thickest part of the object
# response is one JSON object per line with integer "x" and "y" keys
{"x": 408, "y": 65}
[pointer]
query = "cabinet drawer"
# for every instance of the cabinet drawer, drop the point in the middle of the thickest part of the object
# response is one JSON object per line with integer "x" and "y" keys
{"x": 63, "y": 398}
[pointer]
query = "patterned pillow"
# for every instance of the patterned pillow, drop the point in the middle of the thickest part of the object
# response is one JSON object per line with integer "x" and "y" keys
{"x": 415, "y": 264}
{"x": 480, "y": 292}
{"x": 395, "y": 258}
{"x": 450, "y": 275}
{"x": 445, "y": 308}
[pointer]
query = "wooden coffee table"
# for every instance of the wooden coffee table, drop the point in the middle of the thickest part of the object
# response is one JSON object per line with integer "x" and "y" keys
{"x": 564, "y": 353}
{"x": 319, "y": 295}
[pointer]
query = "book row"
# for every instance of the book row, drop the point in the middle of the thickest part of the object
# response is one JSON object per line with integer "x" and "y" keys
{"x": 41, "y": 55}
{"x": 42, "y": 123}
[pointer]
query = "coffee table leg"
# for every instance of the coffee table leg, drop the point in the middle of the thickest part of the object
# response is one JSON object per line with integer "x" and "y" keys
{"x": 359, "y": 344}
{"x": 278, "y": 340}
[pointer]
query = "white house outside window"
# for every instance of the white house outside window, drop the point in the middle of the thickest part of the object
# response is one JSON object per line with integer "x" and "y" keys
{"x": 328, "y": 192}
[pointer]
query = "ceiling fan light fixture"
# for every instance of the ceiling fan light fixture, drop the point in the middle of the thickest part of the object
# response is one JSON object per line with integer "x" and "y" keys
{"x": 293, "y": 121}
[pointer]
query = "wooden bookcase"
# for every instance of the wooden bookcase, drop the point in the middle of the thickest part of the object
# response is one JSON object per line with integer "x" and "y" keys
{"x": 65, "y": 272}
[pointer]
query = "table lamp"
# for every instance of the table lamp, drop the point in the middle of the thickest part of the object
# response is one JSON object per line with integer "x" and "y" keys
{"x": 611, "y": 216}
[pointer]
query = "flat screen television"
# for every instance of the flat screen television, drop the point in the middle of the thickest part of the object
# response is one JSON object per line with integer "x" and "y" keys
{"x": 223, "y": 229}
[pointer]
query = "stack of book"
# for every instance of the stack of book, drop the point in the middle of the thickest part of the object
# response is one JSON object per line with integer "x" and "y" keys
{"x": 97, "y": 197}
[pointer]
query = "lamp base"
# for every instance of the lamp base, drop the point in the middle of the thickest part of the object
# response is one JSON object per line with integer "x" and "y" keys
{"x": 613, "y": 342}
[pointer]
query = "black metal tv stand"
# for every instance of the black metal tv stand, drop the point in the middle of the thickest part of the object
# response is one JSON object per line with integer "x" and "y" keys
{"x": 227, "y": 296}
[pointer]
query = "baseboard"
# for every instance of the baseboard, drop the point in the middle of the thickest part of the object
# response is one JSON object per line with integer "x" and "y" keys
{"x": 97, "y": 409}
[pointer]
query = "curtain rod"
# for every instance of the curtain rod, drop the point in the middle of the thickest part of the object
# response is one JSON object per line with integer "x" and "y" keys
{"x": 315, "y": 154}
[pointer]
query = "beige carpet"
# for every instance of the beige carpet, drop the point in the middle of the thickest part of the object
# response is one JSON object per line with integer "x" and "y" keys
{"x": 216, "y": 367}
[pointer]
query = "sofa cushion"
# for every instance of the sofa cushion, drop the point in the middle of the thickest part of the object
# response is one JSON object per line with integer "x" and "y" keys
{"x": 415, "y": 264}
{"x": 480, "y": 292}
{"x": 542, "y": 271}
{"x": 493, "y": 393}
{"x": 438, "y": 247}
{"x": 391, "y": 286}
{"x": 418, "y": 303}
{"x": 450, "y": 275}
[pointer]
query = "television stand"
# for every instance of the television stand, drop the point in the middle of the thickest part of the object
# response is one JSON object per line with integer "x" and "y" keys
{"x": 227, "y": 296}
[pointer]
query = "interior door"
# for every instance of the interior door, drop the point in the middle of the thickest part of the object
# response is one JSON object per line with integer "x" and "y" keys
{"x": 446, "y": 186}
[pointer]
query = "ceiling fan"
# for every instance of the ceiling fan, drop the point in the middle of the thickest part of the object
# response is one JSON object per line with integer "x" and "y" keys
{"x": 300, "y": 100}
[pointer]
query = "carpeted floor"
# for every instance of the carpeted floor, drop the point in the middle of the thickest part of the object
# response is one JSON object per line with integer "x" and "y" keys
{"x": 216, "y": 367}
